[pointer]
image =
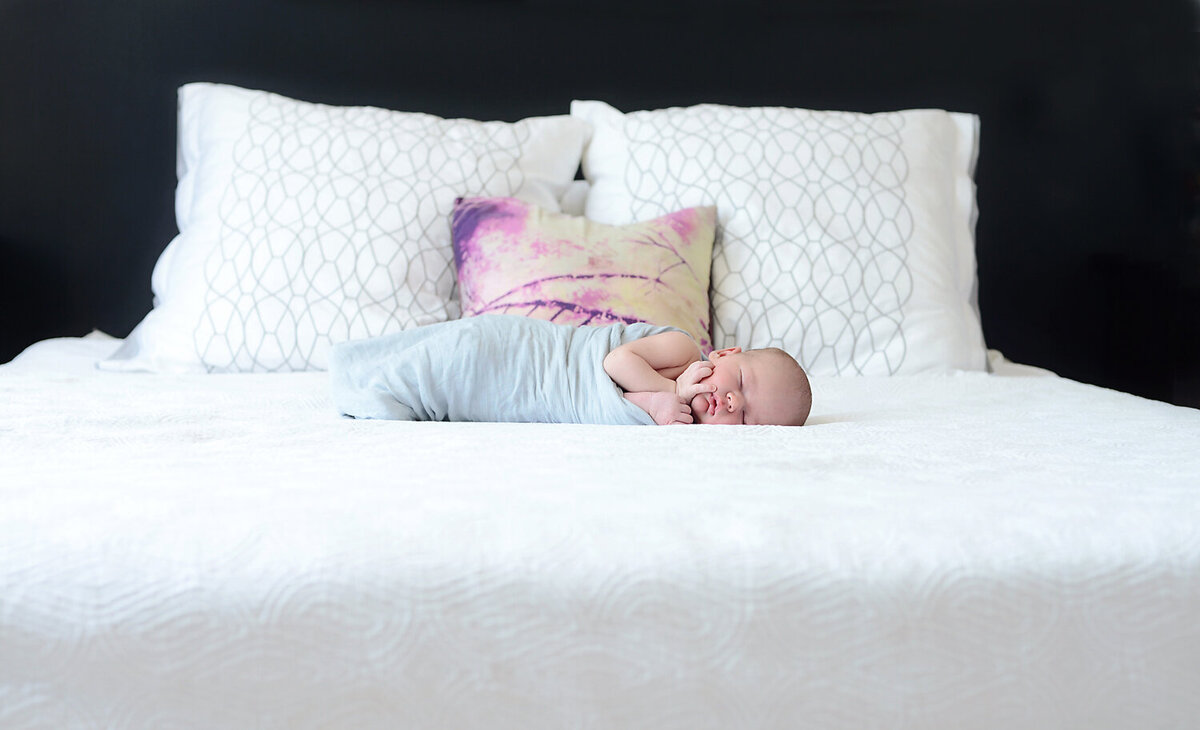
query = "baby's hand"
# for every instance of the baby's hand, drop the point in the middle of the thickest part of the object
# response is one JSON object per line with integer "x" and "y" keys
{"x": 688, "y": 385}
{"x": 668, "y": 408}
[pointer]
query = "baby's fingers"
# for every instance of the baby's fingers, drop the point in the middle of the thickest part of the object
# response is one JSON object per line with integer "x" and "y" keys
{"x": 683, "y": 413}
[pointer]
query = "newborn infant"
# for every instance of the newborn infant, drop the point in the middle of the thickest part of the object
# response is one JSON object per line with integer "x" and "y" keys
{"x": 516, "y": 369}
{"x": 665, "y": 376}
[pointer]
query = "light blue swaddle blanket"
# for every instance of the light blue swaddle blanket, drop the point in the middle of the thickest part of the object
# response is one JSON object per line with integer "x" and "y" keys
{"x": 487, "y": 368}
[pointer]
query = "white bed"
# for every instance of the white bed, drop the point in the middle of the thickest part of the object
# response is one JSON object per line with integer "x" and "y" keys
{"x": 207, "y": 544}
{"x": 1014, "y": 550}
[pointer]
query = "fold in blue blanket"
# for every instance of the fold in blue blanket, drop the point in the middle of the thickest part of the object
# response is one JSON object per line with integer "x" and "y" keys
{"x": 487, "y": 368}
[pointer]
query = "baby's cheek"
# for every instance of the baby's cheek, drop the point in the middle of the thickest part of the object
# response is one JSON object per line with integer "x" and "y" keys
{"x": 699, "y": 407}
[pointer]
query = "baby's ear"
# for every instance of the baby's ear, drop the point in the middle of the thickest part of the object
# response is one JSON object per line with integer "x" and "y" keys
{"x": 718, "y": 354}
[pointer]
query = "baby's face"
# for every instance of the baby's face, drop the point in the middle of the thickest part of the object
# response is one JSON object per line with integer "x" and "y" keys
{"x": 747, "y": 390}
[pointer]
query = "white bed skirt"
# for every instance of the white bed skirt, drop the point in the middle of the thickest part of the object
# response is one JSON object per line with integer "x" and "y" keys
{"x": 968, "y": 551}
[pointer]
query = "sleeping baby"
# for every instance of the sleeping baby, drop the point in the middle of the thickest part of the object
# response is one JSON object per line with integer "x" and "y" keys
{"x": 517, "y": 369}
{"x": 664, "y": 375}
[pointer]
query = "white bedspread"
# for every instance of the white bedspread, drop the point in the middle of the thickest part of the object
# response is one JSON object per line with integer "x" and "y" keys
{"x": 968, "y": 551}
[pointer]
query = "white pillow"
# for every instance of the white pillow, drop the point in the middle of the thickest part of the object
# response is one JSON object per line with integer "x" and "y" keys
{"x": 574, "y": 200}
{"x": 846, "y": 239}
{"x": 302, "y": 225}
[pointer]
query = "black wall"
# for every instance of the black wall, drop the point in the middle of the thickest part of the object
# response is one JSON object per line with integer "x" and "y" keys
{"x": 1087, "y": 175}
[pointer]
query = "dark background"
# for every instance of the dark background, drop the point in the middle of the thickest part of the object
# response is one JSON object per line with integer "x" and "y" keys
{"x": 1087, "y": 246}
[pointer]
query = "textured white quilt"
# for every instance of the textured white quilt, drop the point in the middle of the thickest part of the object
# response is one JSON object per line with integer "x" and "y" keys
{"x": 931, "y": 552}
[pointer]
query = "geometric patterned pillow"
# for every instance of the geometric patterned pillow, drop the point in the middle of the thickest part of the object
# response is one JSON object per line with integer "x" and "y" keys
{"x": 516, "y": 258}
{"x": 845, "y": 239}
{"x": 302, "y": 225}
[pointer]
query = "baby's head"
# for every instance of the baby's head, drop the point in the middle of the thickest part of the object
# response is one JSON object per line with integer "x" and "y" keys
{"x": 763, "y": 386}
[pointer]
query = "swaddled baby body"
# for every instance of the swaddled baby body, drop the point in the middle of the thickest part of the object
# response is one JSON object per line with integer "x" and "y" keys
{"x": 517, "y": 369}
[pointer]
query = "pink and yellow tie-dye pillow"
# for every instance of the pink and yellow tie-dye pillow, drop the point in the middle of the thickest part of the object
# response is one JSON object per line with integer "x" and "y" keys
{"x": 515, "y": 258}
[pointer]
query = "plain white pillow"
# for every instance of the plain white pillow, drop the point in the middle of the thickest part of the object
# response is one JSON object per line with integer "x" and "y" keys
{"x": 846, "y": 239}
{"x": 574, "y": 200}
{"x": 74, "y": 356}
{"x": 302, "y": 225}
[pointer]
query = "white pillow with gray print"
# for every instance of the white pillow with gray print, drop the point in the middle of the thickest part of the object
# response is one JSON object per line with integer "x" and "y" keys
{"x": 846, "y": 239}
{"x": 302, "y": 225}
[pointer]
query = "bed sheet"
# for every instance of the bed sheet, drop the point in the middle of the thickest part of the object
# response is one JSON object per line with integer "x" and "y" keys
{"x": 930, "y": 552}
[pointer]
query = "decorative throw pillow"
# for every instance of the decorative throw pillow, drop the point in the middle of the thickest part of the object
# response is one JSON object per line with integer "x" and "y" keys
{"x": 516, "y": 258}
{"x": 302, "y": 225}
{"x": 846, "y": 239}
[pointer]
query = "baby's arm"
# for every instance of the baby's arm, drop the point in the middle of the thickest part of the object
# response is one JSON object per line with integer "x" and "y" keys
{"x": 660, "y": 374}
{"x": 652, "y": 363}
{"x": 664, "y": 408}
